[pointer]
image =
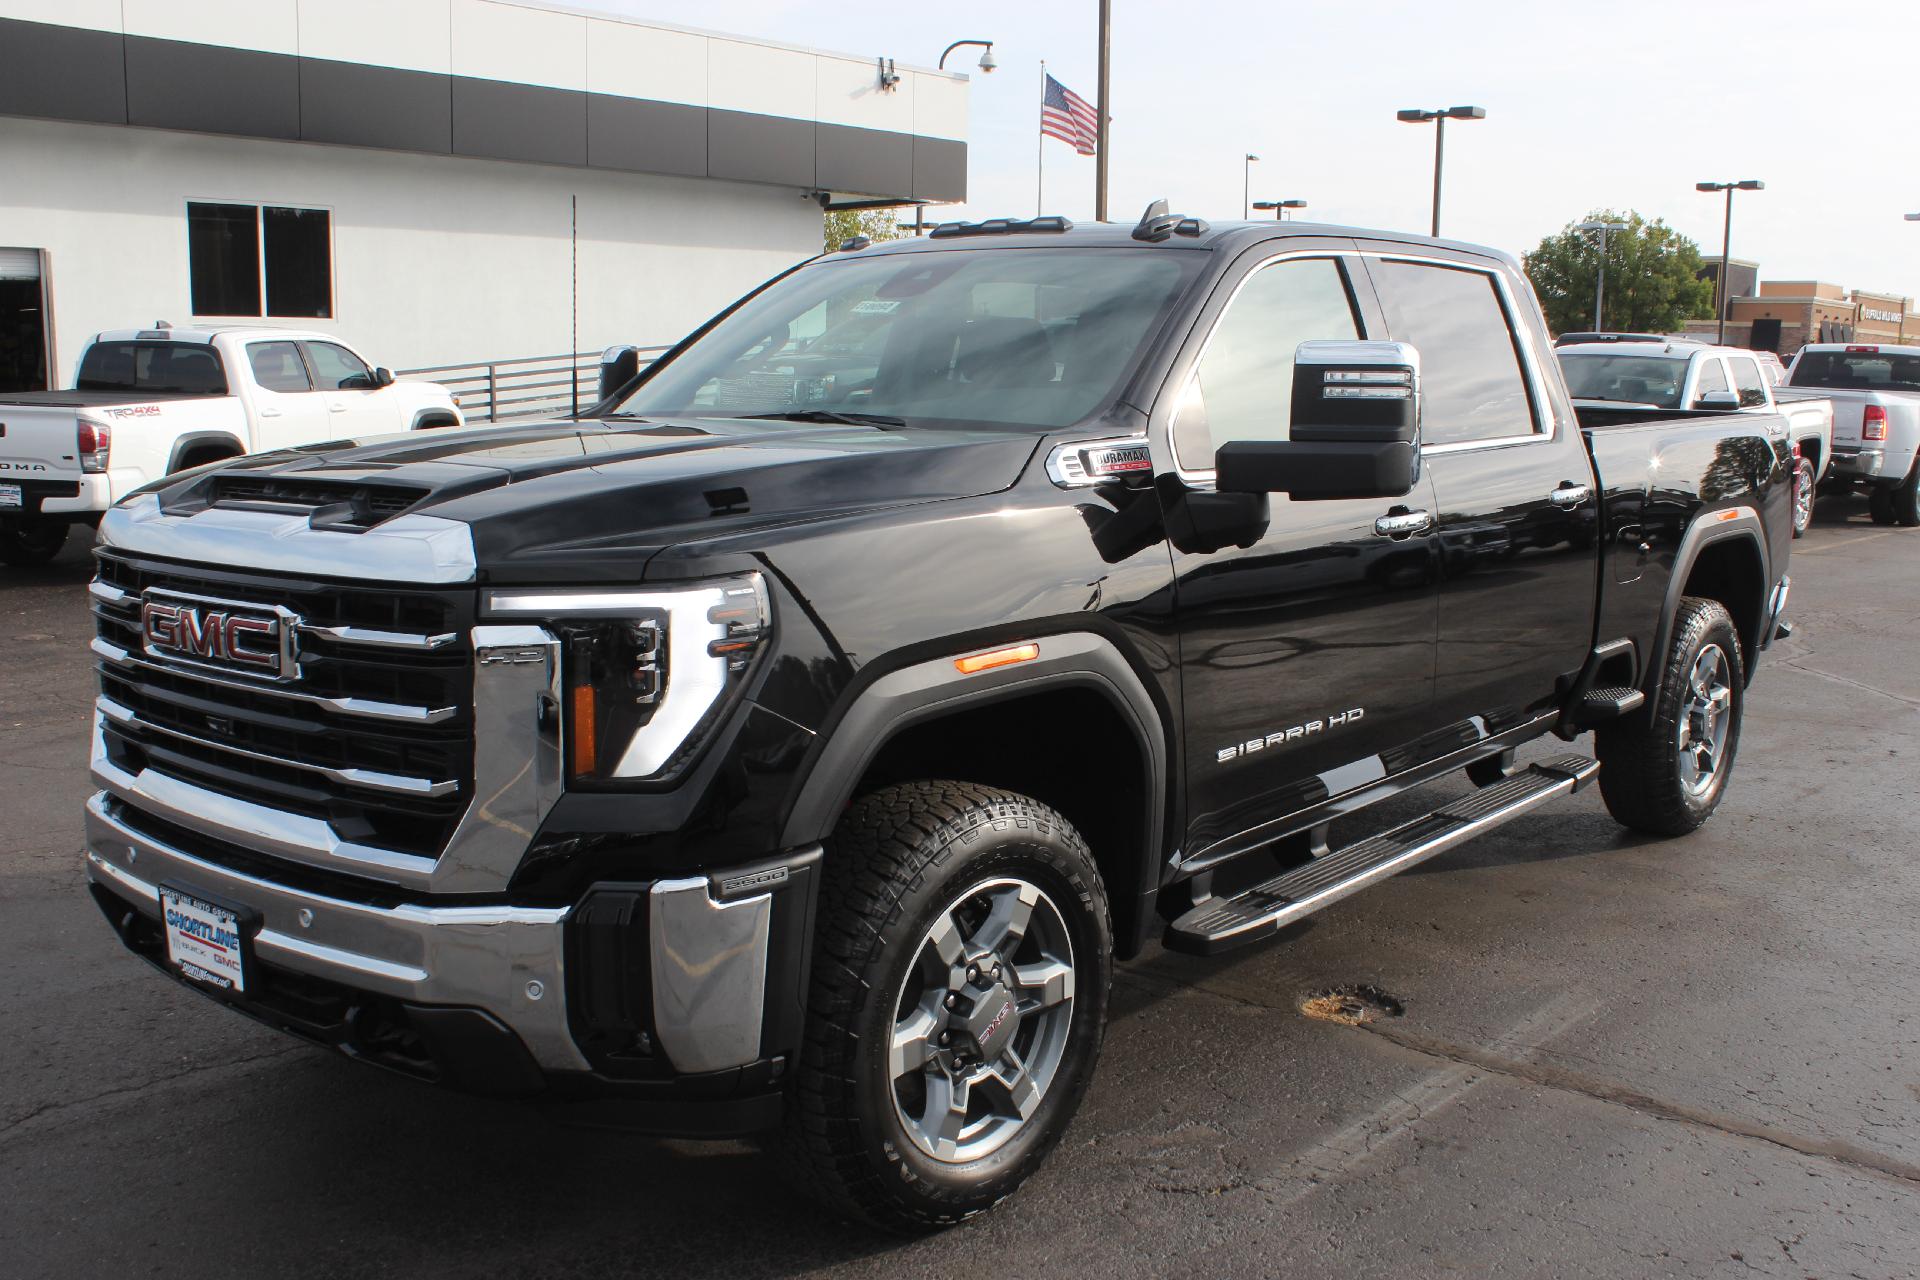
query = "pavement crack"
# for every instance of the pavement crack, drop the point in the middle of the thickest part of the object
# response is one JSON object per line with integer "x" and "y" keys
{"x": 69, "y": 1104}
{"x": 1551, "y": 1077}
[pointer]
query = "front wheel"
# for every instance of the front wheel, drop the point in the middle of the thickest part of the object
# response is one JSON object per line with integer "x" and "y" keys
{"x": 1802, "y": 496}
{"x": 959, "y": 997}
{"x": 31, "y": 541}
{"x": 1667, "y": 777}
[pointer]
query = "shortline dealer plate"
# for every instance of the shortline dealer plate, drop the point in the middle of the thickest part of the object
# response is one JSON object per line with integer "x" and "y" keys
{"x": 10, "y": 496}
{"x": 203, "y": 940}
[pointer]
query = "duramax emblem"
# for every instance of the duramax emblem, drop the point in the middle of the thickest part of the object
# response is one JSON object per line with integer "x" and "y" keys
{"x": 247, "y": 640}
{"x": 1279, "y": 737}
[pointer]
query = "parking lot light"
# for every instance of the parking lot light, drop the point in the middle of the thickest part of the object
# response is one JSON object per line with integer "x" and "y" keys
{"x": 1279, "y": 207}
{"x": 1439, "y": 117}
{"x": 1600, "y": 284}
{"x": 1726, "y": 244}
{"x": 987, "y": 64}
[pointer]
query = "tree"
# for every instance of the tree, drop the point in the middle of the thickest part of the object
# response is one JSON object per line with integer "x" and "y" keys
{"x": 1653, "y": 276}
{"x": 843, "y": 225}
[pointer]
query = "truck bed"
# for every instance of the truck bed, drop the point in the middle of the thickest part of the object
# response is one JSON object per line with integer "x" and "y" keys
{"x": 96, "y": 399}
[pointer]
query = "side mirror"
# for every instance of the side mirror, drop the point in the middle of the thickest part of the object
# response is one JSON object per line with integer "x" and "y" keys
{"x": 383, "y": 377}
{"x": 1725, "y": 401}
{"x": 1355, "y": 429}
{"x": 617, "y": 367}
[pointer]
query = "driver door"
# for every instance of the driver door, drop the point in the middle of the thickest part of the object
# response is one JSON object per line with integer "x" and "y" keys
{"x": 1307, "y": 642}
{"x": 356, "y": 404}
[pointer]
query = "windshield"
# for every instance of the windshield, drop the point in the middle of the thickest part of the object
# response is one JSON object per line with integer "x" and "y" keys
{"x": 1868, "y": 370}
{"x": 1036, "y": 338}
{"x": 1653, "y": 380}
{"x": 151, "y": 366}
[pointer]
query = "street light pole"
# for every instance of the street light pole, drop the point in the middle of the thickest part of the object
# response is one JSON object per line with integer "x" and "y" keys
{"x": 1100, "y": 124}
{"x": 1600, "y": 283}
{"x": 1439, "y": 118}
{"x": 1246, "y": 185}
{"x": 1726, "y": 245}
{"x": 1279, "y": 207}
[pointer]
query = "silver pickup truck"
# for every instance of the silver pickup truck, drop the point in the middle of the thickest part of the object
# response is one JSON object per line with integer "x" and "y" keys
{"x": 1875, "y": 391}
{"x": 1673, "y": 374}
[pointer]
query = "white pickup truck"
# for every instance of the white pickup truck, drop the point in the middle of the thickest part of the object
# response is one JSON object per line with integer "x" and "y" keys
{"x": 1665, "y": 374}
{"x": 149, "y": 402}
{"x": 1875, "y": 391}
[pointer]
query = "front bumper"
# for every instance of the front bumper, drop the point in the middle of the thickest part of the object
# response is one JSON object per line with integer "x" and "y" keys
{"x": 479, "y": 997}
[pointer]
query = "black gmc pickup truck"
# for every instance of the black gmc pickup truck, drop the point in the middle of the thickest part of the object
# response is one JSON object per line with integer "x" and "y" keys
{"x": 801, "y": 736}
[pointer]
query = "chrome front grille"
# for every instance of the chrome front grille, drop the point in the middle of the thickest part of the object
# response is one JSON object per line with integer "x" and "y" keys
{"x": 374, "y": 739}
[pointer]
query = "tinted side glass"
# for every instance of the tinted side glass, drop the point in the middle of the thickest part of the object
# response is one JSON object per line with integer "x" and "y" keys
{"x": 338, "y": 369}
{"x": 1242, "y": 388}
{"x": 1746, "y": 377}
{"x": 1712, "y": 378}
{"x": 277, "y": 366}
{"x": 1472, "y": 387}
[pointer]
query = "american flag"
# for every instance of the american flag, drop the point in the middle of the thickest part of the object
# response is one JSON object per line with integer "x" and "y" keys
{"x": 1067, "y": 116}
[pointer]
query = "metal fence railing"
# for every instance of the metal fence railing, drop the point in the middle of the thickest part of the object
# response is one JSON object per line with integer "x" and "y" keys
{"x": 522, "y": 387}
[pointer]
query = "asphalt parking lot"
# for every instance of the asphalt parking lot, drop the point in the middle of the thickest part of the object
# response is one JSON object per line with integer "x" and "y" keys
{"x": 1617, "y": 1057}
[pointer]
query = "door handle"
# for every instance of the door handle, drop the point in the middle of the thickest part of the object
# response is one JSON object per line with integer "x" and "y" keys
{"x": 1569, "y": 496}
{"x": 269, "y": 413}
{"x": 1403, "y": 524}
{"x": 336, "y": 408}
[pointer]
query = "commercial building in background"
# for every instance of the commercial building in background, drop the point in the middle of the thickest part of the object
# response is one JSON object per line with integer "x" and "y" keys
{"x": 1785, "y": 315}
{"x": 443, "y": 180}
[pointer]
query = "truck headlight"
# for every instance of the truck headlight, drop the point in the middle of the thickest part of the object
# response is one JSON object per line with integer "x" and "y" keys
{"x": 646, "y": 673}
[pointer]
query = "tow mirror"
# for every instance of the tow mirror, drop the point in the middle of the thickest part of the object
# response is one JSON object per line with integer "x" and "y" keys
{"x": 618, "y": 364}
{"x": 1354, "y": 430}
{"x": 383, "y": 377}
{"x": 1725, "y": 401}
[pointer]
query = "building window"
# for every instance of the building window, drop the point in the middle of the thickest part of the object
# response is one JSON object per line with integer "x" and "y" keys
{"x": 235, "y": 249}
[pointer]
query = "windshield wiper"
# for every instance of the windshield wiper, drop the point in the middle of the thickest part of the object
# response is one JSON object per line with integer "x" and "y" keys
{"x": 826, "y": 415}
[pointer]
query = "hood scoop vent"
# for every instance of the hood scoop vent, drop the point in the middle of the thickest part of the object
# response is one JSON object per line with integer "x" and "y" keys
{"x": 351, "y": 507}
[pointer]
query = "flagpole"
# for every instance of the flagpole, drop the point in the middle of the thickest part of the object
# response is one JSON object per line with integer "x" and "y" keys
{"x": 1100, "y": 121}
{"x": 1040, "y": 153}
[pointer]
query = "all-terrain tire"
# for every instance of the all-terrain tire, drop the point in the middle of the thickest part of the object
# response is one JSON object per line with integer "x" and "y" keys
{"x": 1880, "y": 504}
{"x": 31, "y": 541}
{"x": 899, "y": 864}
{"x": 1644, "y": 767}
{"x": 1903, "y": 500}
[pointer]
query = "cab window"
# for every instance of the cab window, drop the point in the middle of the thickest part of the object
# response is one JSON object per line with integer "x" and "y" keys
{"x": 1712, "y": 378}
{"x": 1747, "y": 380}
{"x": 1242, "y": 387}
{"x": 1473, "y": 386}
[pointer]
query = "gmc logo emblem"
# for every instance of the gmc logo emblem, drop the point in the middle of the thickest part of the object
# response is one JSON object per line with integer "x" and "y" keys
{"x": 216, "y": 635}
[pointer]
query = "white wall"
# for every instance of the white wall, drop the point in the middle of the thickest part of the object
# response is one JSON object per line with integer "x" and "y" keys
{"x": 437, "y": 259}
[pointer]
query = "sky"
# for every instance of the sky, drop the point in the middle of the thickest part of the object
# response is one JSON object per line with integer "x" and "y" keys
{"x": 1622, "y": 105}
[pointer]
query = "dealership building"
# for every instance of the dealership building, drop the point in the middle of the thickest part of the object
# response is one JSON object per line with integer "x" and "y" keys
{"x": 1785, "y": 315}
{"x": 439, "y": 181}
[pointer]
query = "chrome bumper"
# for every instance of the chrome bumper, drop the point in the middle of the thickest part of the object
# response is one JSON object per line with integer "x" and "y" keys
{"x": 708, "y": 956}
{"x": 505, "y": 960}
{"x": 1856, "y": 463}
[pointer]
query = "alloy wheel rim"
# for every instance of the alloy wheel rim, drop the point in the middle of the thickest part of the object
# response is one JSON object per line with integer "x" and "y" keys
{"x": 1706, "y": 720}
{"x": 981, "y": 1020}
{"x": 1803, "y": 495}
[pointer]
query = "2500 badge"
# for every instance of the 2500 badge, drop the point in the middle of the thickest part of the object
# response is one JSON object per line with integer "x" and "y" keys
{"x": 1294, "y": 733}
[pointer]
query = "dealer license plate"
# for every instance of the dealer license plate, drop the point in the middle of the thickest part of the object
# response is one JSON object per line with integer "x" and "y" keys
{"x": 203, "y": 940}
{"x": 10, "y": 496}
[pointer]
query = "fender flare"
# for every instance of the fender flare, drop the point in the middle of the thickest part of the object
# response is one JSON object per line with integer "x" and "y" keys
{"x": 926, "y": 690}
{"x": 434, "y": 412}
{"x": 193, "y": 439}
{"x": 1738, "y": 523}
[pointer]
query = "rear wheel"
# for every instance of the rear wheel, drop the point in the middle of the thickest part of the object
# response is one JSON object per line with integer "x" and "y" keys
{"x": 1668, "y": 776}
{"x": 1880, "y": 504}
{"x": 31, "y": 540}
{"x": 1802, "y": 496}
{"x": 1904, "y": 500}
{"x": 958, "y": 1002}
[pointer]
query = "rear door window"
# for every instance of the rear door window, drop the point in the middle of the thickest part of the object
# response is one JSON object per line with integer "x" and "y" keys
{"x": 277, "y": 366}
{"x": 1747, "y": 380}
{"x": 1712, "y": 378}
{"x": 1473, "y": 385}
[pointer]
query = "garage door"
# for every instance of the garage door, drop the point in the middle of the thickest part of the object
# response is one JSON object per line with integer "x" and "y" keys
{"x": 19, "y": 264}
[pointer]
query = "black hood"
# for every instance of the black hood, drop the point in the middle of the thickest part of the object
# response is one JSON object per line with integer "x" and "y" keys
{"x": 602, "y": 497}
